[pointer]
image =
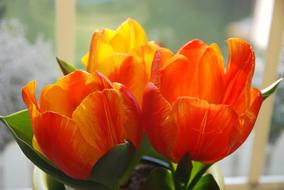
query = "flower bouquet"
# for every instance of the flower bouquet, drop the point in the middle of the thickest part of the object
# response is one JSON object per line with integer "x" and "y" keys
{"x": 136, "y": 101}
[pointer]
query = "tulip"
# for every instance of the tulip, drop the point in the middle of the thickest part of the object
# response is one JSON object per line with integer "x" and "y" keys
{"x": 193, "y": 105}
{"x": 124, "y": 56}
{"x": 80, "y": 118}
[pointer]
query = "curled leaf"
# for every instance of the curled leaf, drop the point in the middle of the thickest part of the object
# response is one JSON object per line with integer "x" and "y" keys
{"x": 270, "y": 89}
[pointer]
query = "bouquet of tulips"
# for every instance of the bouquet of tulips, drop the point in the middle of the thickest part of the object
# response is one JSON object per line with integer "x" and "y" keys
{"x": 90, "y": 129}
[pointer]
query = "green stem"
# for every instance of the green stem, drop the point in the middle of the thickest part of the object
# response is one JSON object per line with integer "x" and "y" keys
{"x": 198, "y": 175}
{"x": 177, "y": 186}
{"x": 131, "y": 167}
{"x": 134, "y": 162}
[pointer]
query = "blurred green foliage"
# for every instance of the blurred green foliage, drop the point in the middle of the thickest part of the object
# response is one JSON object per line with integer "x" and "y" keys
{"x": 170, "y": 22}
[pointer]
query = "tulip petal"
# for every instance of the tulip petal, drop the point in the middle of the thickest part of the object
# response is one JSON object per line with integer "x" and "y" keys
{"x": 209, "y": 76}
{"x": 28, "y": 93}
{"x": 239, "y": 74}
{"x": 175, "y": 78}
{"x": 160, "y": 60}
{"x": 145, "y": 55}
{"x": 108, "y": 34}
{"x": 159, "y": 127}
{"x": 134, "y": 71}
{"x": 101, "y": 119}
{"x": 193, "y": 50}
{"x": 85, "y": 59}
{"x": 112, "y": 63}
{"x": 133, "y": 32}
{"x": 203, "y": 128}
{"x": 248, "y": 118}
{"x": 199, "y": 75}
{"x": 100, "y": 49}
{"x": 119, "y": 43}
{"x": 67, "y": 93}
{"x": 61, "y": 141}
{"x": 133, "y": 113}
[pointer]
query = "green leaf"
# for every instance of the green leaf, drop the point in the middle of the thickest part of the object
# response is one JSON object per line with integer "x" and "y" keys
{"x": 20, "y": 123}
{"x": 207, "y": 182}
{"x": 183, "y": 170}
{"x": 159, "y": 179}
{"x": 66, "y": 68}
{"x": 270, "y": 89}
{"x": 197, "y": 172}
{"x": 20, "y": 126}
{"x": 111, "y": 168}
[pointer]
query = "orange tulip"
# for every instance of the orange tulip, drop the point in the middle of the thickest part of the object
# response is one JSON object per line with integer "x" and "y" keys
{"x": 124, "y": 56}
{"x": 195, "y": 106}
{"x": 80, "y": 118}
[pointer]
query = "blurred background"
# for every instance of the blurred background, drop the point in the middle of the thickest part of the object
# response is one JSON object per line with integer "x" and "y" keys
{"x": 34, "y": 32}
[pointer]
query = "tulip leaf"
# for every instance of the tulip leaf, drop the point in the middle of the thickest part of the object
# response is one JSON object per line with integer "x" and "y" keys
{"x": 19, "y": 125}
{"x": 111, "y": 168}
{"x": 270, "y": 89}
{"x": 66, "y": 68}
{"x": 197, "y": 172}
{"x": 159, "y": 179}
{"x": 183, "y": 170}
{"x": 206, "y": 182}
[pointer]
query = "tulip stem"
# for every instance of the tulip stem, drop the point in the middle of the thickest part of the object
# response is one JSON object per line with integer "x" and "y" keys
{"x": 137, "y": 157}
{"x": 172, "y": 168}
{"x": 197, "y": 176}
{"x": 131, "y": 167}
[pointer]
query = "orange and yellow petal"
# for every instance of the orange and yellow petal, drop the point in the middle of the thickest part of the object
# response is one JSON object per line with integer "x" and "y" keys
{"x": 101, "y": 120}
{"x": 62, "y": 143}
{"x": 239, "y": 74}
{"x": 159, "y": 128}
{"x": 248, "y": 118}
{"x": 203, "y": 128}
{"x": 132, "y": 74}
{"x": 199, "y": 76}
{"x": 133, "y": 32}
{"x": 100, "y": 49}
{"x": 66, "y": 94}
{"x": 113, "y": 63}
{"x": 28, "y": 93}
{"x": 161, "y": 59}
{"x": 132, "y": 114}
{"x": 209, "y": 76}
{"x": 145, "y": 55}
{"x": 175, "y": 78}
{"x": 193, "y": 50}
{"x": 85, "y": 59}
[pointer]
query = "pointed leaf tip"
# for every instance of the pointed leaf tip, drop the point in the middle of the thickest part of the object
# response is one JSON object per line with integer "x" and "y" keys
{"x": 66, "y": 68}
{"x": 270, "y": 89}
